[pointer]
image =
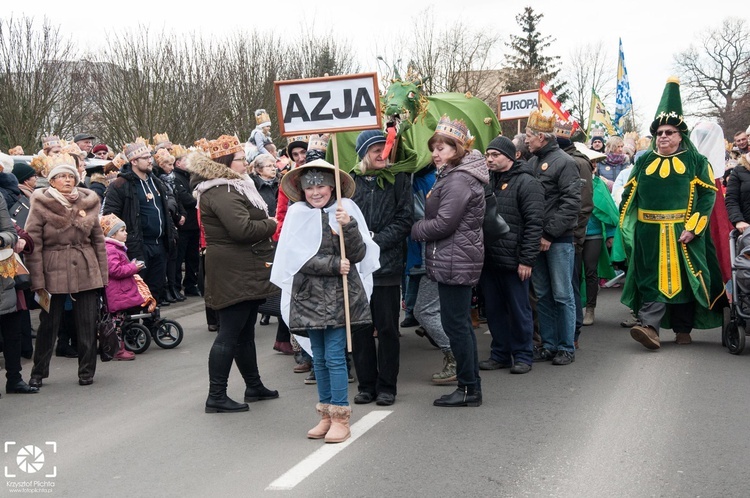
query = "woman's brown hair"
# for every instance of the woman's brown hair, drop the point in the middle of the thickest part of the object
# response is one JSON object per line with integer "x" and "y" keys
{"x": 441, "y": 139}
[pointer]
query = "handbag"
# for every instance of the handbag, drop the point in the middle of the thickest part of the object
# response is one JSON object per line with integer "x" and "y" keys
{"x": 20, "y": 211}
{"x": 106, "y": 334}
{"x": 271, "y": 307}
{"x": 494, "y": 226}
{"x": 23, "y": 277}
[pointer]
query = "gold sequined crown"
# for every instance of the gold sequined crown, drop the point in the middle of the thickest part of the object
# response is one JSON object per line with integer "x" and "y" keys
{"x": 223, "y": 146}
{"x": 455, "y": 129}
{"x": 563, "y": 129}
{"x": 541, "y": 122}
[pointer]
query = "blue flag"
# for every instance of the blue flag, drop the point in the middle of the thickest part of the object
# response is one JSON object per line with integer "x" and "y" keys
{"x": 624, "y": 102}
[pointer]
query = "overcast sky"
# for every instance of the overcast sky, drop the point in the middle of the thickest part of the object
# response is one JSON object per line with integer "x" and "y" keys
{"x": 651, "y": 32}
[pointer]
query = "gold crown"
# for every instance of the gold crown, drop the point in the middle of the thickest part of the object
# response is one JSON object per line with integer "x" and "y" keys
{"x": 40, "y": 163}
{"x": 563, "y": 129}
{"x": 119, "y": 160}
{"x": 73, "y": 149}
{"x": 455, "y": 129}
{"x": 16, "y": 151}
{"x": 62, "y": 159}
{"x": 319, "y": 142}
{"x": 202, "y": 144}
{"x": 161, "y": 139}
{"x": 135, "y": 150}
{"x": 178, "y": 151}
{"x": 163, "y": 156}
{"x": 297, "y": 138}
{"x": 541, "y": 122}
{"x": 223, "y": 146}
{"x": 262, "y": 118}
{"x": 51, "y": 141}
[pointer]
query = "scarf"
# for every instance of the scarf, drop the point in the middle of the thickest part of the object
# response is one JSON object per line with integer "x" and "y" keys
{"x": 379, "y": 174}
{"x": 615, "y": 159}
{"x": 244, "y": 187}
{"x": 66, "y": 200}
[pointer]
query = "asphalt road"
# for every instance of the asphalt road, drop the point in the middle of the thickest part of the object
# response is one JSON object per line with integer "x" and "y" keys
{"x": 620, "y": 421}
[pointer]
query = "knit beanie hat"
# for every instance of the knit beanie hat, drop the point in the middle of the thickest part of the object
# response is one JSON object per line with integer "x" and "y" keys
{"x": 367, "y": 139}
{"x": 110, "y": 224}
{"x": 503, "y": 145}
{"x": 23, "y": 172}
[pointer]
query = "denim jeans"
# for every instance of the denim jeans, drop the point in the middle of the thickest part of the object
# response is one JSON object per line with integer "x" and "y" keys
{"x": 411, "y": 288}
{"x": 455, "y": 313}
{"x": 506, "y": 299}
{"x": 329, "y": 361}
{"x": 552, "y": 277}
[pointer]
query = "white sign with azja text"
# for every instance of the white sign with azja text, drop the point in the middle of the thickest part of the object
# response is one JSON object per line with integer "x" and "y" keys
{"x": 327, "y": 105}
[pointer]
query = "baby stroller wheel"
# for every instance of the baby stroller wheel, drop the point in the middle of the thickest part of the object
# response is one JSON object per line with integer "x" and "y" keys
{"x": 136, "y": 337}
{"x": 735, "y": 336}
{"x": 168, "y": 334}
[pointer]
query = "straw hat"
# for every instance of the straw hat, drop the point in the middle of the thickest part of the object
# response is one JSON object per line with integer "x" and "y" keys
{"x": 319, "y": 172}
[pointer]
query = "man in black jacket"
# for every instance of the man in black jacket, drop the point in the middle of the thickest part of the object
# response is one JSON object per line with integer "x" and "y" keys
{"x": 188, "y": 240}
{"x": 387, "y": 203}
{"x": 139, "y": 199}
{"x": 553, "y": 270}
{"x": 508, "y": 261}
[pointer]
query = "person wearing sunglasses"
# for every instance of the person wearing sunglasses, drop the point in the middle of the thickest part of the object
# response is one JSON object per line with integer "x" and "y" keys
{"x": 673, "y": 278}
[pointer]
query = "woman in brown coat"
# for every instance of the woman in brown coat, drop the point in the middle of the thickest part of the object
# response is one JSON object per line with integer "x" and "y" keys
{"x": 69, "y": 258}
{"x": 239, "y": 254}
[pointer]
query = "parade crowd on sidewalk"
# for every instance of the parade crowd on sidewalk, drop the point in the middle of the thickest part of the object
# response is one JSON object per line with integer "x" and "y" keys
{"x": 520, "y": 235}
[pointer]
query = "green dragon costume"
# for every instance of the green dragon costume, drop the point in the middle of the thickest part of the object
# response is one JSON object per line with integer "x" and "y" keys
{"x": 411, "y": 118}
{"x": 664, "y": 196}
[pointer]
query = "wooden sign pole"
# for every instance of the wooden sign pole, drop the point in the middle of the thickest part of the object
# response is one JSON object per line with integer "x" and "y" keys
{"x": 345, "y": 281}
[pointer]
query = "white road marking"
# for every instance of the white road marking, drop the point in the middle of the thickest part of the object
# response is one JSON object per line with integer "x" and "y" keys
{"x": 299, "y": 472}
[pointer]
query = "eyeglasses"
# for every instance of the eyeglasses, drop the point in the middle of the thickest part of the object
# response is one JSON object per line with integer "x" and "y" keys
{"x": 240, "y": 159}
{"x": 668, "y": 133}
{"x": 492, "y": 155}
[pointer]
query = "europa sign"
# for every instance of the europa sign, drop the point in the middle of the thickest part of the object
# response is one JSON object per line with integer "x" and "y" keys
{"x": 517, "y": 105}
{"x": 327, "y": 105}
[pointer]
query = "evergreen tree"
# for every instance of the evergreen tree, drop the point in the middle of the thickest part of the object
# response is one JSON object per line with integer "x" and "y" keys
{"x": 526, "y": 63}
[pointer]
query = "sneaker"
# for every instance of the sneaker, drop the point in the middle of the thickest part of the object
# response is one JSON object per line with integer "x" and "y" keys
{"x": 646, "y": 335}
{"x": 564, "y": 358}
{"x": 588, "y": 317}
{"x": 543, "y": 354}
{"x": 491, "y": 364}
{"x": 520, "y": 368}
{"x": 310, "y": 379}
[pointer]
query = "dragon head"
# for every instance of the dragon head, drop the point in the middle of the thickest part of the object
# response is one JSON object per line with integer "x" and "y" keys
{"x": 403, "y": 103}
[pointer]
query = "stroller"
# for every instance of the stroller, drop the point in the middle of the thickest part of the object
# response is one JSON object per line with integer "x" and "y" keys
{"x": 166, "y": 333}
{"x": 738, "y": 290}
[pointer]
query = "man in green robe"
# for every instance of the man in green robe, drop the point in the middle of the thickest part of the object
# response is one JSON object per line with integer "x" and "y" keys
{"x": 673, "y": 278}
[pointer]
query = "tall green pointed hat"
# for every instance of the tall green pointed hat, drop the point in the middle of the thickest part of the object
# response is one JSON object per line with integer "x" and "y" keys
{"x": 670, "y": 108}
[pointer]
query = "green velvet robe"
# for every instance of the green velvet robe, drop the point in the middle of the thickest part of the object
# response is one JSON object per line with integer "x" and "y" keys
{"x": 664, "y": 196}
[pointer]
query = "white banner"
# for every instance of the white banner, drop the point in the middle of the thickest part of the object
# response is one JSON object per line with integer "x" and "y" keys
{"x": 326, "y": 105}
{"x": 517, "y": 105}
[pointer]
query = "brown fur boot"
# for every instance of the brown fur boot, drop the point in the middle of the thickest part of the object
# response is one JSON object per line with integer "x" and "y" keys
{"x": 320, "y": 430}
{"x": 339, "y": 431}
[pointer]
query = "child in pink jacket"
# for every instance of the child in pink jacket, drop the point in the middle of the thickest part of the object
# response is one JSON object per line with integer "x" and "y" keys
{"x": 122, "y": 291}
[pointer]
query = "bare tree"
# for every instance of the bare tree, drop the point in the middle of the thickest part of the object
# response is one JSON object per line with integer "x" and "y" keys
{"x": 715, "y": 75}
{"x": 589, "y": 67}
{"x": 32, "y": 81}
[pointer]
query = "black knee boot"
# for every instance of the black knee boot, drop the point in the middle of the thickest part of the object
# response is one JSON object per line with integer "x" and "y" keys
{"x": 219, "y": 364}
{"x": 248, "y": 365}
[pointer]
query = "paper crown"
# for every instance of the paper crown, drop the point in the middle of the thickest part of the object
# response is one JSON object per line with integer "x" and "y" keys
{"x": 318, "y": 142}
{"x": 179, "y": 151}
{"x": 223, "y": 146}
{"x": 16, "y": 151}
{"x": 110, "y": 224}
{"x": 51, "y": 141}
{"x": 135, "y": 150}
{"x": 119, "y": 160}
{"x": 59, "y": 163}
{"x": 72, "y": 149}
{"x": 455, "y": 129}
{"x": 669, "y": 111}
{"x": 202, "y": 144}
{"x": 262, "y": 118}
{"x": 297, "y": 138}
{"x": 40, "y": 164}
{"x": 563, "y": 129}
{"x": 162, "y": 140}
{"x": 541, "y": 122}
{"x": 163, "y": 157}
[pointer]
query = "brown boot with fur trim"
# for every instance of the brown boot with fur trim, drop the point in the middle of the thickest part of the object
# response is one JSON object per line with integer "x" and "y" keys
{"x": 339, "y": 431}
{"x": 320, "y": 430}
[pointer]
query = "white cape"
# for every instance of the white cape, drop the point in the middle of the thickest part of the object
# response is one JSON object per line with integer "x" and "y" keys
{"x": 300, "y": 240}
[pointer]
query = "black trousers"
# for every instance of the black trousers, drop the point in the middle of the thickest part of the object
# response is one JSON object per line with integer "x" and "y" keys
{"x": 187, "y": 252}
{"x": 155, "y": 273}
{"x": 455, "y": 315}
{"x": 85, "y": 314}
{"x": 377, "y": 366}
{"x": 10, "y": 328}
